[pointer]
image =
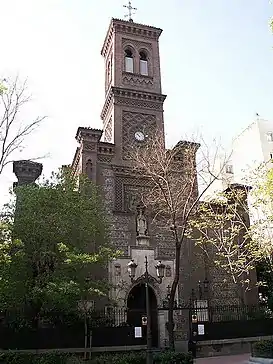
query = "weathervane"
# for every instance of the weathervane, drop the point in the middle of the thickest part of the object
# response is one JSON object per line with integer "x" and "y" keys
{"x": 130, "y": 8}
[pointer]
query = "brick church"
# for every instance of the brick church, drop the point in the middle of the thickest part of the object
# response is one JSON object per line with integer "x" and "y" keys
{"x": 133, "y": 109}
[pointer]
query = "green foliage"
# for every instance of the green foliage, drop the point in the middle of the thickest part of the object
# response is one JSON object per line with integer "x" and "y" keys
{"x": 263, "y": 349}
{"x": 168, "y": 357}
{"x": 173, "y": 357}
{"x": 221, "y": 229}
{"x": 19, "y": 358}
{"x": 58, "y": 239}
{"x": 3, "y": 88}
{"x": 124, "y": 358}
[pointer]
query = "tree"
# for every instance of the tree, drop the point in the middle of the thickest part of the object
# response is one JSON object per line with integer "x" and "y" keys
{"x": 13, "y": 129}
{"x": 235, "y": 227}
{"x": 224, "y": 233}
{"x": 172, "y": 197}
{"x": 54, "y": 246}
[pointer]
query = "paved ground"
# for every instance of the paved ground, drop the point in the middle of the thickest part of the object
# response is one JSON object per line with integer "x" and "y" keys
{"x": 233, "y": 359}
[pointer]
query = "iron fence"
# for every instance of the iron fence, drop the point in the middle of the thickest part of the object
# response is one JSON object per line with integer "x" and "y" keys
{"x": 114, "y": 326}
{"x": 230, "y": 321}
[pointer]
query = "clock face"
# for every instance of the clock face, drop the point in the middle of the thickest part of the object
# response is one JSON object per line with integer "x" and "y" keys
{"x": 139, "y": 136}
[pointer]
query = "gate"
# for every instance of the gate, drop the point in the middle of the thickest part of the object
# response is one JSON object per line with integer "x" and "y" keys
{"x": 116, "y": 327}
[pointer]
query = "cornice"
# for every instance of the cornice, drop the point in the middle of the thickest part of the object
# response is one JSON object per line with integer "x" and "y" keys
{"x": 117, "y": 92}
{"x": 131, "y": 28}
{"x": 27, "y": 169}
{"x": 84, "y": 133}
{"x": 106, "y": 148}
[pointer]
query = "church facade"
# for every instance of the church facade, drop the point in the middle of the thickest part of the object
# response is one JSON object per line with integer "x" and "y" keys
{"x": 133, "y": 110}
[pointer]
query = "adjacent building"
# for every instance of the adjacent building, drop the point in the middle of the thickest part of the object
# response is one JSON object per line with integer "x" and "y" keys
{"x": 248, "y": 150}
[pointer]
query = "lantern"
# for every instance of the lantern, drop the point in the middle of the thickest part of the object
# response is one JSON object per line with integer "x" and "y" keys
{"x": 160, "y": 270}
{"x": 132, "y": 269}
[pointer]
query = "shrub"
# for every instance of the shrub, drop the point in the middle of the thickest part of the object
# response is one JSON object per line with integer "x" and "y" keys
{"x": 167, "y": 357}
{"x": 263, "y": 349}
{"x": 19, "y": 358}
{"x": 126, "y": 358}
{"x": 171, "y": 357}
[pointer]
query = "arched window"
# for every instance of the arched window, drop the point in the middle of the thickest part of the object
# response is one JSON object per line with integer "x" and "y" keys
{"x": 143, "y": 65}
{"x": 129, "y": 61}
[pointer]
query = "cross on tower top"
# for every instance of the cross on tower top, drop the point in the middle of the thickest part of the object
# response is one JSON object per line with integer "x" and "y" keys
{"x": 130, "y": 8}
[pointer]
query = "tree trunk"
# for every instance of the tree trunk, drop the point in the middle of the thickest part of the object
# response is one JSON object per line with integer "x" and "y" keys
{"x": 172, "y": 296}
{"x": 85, "y": 337}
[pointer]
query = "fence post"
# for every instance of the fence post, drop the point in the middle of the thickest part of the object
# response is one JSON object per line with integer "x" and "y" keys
{"x": 90, "y": 345}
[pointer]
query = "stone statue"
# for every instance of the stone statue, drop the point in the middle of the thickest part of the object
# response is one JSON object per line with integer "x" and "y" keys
{"x": 141, "y": 224}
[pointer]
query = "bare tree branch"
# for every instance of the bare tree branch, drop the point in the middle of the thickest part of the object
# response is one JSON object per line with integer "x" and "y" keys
{"x": 13, "y": 129}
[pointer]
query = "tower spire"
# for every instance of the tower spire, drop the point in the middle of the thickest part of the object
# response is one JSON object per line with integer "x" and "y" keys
{"x": 130, "y": 13}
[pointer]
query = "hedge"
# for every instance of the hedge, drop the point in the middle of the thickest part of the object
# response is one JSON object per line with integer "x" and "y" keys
{"x": 19, "y": 358}
{"x": 167, "y": 357}
{"x": 263, "y": 349}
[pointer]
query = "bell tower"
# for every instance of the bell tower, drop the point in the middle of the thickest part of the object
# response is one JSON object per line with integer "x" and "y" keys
{"x": 133, "y": 105}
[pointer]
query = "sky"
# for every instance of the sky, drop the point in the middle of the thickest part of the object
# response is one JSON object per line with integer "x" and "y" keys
{"x": 216, "y": 67}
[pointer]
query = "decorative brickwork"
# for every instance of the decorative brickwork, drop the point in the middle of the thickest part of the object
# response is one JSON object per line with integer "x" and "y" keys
{"x": 165, "y": 253}
{"x": 89, "y": 146}
{"x": 108, "y": 131}
{"x": 127, "y": 191}
{"x": 133, "y": 122}
{"x": 141, "y": 104}
{"x": 144, "y": 82}
{"x": 105, "y": 158}
{"x": 137, "y": 44}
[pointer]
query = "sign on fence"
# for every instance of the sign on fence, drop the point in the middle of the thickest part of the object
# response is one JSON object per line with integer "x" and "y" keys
{"x": 138, "y": 332}
{"x": 201, "y": 329}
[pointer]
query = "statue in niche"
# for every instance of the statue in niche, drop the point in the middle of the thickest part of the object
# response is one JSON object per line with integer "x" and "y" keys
{"x": 142, "y": 227}
{"x": 88, "y": 168}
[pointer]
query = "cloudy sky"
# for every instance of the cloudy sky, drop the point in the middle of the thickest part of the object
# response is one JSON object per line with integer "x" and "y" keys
{"x": 216, "y": 55}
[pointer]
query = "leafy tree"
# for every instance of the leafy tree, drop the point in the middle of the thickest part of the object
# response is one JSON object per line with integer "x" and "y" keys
{"x": 54, "y": 246}
{"x": 172, "y": 197}
{"x": 224, "y": 233}
{"x": 235, "y": 228}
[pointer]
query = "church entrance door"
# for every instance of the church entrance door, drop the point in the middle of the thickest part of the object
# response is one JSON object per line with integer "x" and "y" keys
{"x": 136, "y": 304}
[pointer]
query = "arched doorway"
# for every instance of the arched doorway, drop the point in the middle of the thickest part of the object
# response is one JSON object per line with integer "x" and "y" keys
{"x": 136, "y": 304}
